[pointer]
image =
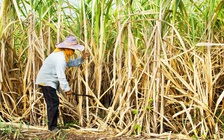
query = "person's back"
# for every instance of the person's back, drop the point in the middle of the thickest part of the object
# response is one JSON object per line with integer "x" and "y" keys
{"x": 52, "y": 70}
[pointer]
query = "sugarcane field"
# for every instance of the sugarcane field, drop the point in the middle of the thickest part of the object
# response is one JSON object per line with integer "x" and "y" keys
{"x": 111, "y": 69}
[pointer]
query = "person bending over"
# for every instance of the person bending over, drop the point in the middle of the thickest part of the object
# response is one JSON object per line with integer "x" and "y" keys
{"x": 51, "y": 76}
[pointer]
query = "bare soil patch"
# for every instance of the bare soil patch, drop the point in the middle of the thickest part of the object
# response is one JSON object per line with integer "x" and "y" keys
{"x": 63, "y": 134}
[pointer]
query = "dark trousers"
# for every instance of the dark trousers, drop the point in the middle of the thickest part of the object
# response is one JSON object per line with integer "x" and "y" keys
{"x": 52, "y": 101}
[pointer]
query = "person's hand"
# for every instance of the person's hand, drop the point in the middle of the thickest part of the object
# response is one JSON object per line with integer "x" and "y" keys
{"x": 69, "y": 96}
{"x": 69, "y": 92}
{"x": 85, "y": 55}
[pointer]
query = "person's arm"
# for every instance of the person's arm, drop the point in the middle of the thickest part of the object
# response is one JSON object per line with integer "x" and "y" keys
{"x": 75, "y": 62}
{"x": 78, "y": 61}
{"x": 60, "y": 67}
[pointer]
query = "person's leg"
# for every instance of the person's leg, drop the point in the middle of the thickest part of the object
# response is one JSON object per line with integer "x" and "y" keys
{"x": 52, "y": 101}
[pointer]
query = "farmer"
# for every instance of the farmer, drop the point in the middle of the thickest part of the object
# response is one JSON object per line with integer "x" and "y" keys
{"x": 52, "y": 76}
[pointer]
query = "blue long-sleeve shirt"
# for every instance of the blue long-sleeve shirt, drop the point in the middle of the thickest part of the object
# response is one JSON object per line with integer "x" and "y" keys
{"x": 52, "y": 72}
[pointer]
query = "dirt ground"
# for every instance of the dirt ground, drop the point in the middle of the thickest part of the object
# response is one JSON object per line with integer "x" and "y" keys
{"x": 16, "y": 131}
{"x": 64, "y": 134}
